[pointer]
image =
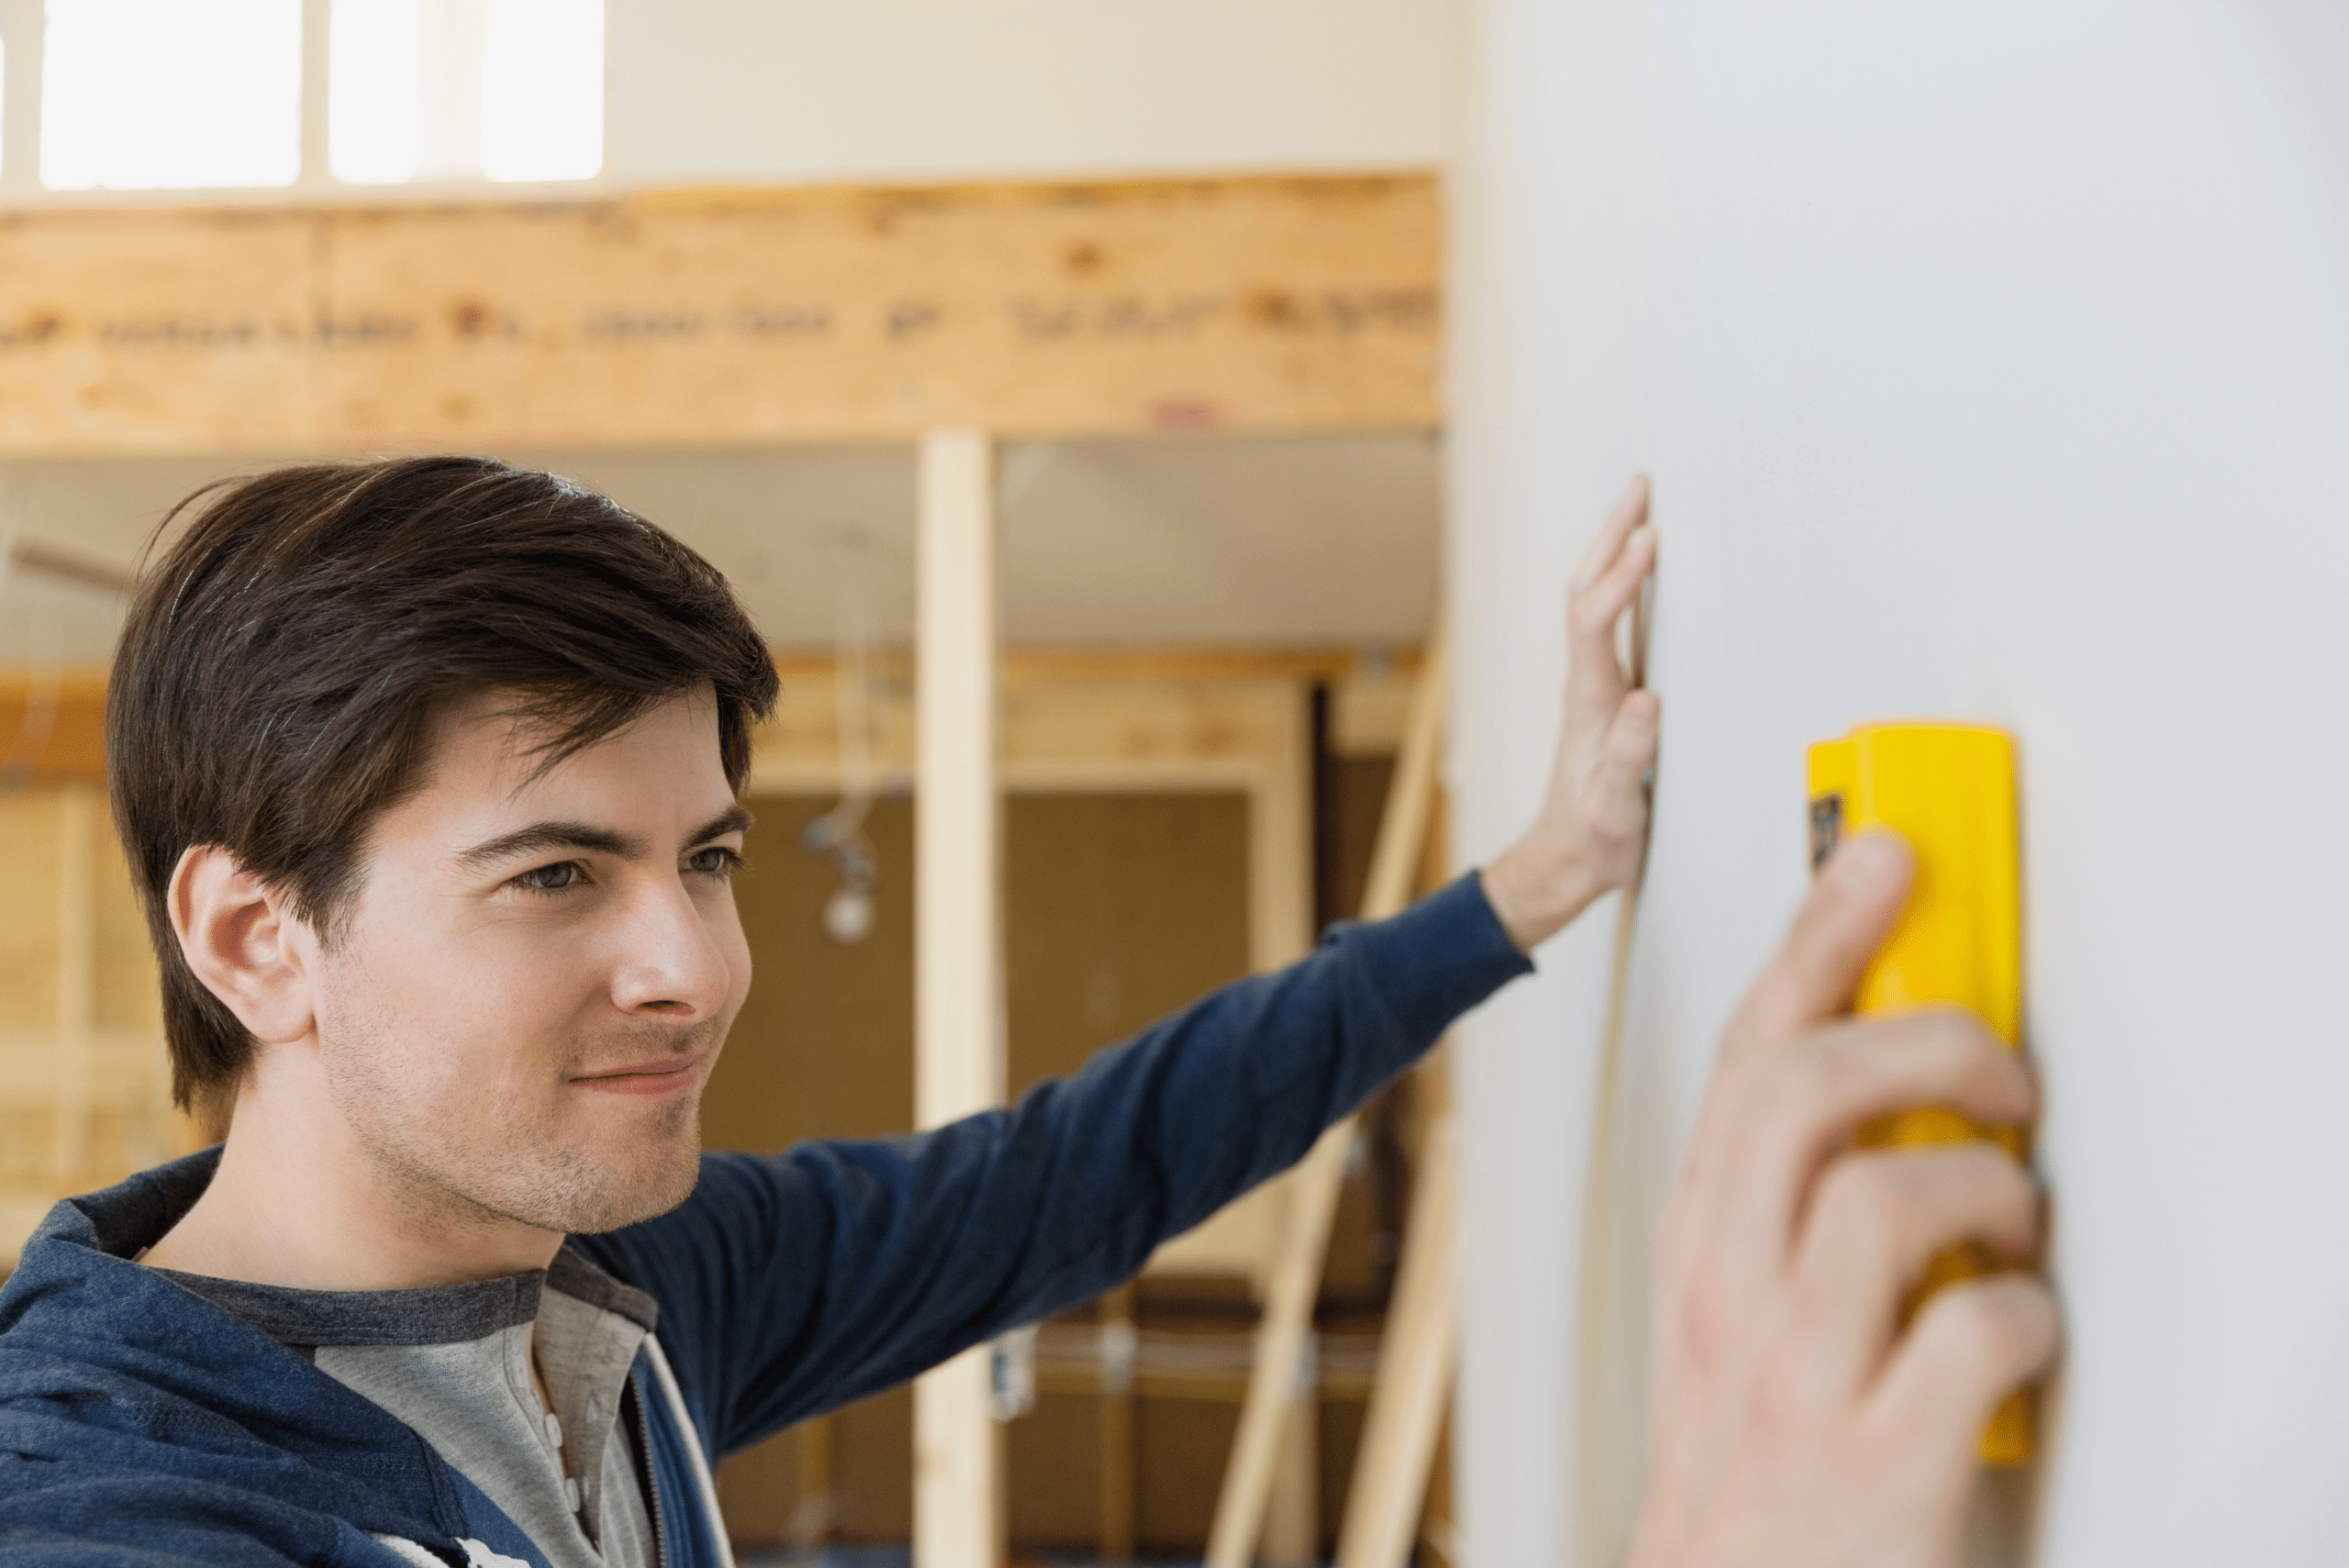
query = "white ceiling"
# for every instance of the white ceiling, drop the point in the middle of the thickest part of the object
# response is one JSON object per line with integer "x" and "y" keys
{"x": 1317, "y": 540}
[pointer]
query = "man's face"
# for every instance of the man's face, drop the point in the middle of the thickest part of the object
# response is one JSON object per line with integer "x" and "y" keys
{"x": 538, "y": 972}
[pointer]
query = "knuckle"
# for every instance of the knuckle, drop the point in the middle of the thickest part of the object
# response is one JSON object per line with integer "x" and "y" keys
{"x": 1706, "y": 1331}
{"x": 1794, "y": 1092}
{"x": 1864, "y": 1203}
{"x": 2008, "y": 1183}
{"x": 1828, "y": 1075}
{"x": 1787, "y": 1396}
{"x": 1995, "y": 1326}
{"x": 1982, "y": 1335}
{"x": 1958, "y": 1036}
{"x": 1990, "y": 1193}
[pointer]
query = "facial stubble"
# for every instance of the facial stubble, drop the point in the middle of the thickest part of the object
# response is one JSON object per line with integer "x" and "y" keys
{"x": 527, "y": 1152}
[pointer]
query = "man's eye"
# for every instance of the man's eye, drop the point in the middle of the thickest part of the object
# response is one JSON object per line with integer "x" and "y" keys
{"x": 717, "y": 860}
{"x": 553, "y": 878}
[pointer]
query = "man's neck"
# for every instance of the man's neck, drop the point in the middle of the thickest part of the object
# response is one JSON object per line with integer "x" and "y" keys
{"x": 295, "y": 1202}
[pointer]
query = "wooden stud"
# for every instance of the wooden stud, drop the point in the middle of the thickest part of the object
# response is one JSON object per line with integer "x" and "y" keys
{"x": 1292, "y": 1536}
{"x": 77, "y": 969}
{"x": 701, "y": 319}
{"x": 1280, "y": 925}
{"x": 958, "y": 949}
{"x": 1280, "y": 833}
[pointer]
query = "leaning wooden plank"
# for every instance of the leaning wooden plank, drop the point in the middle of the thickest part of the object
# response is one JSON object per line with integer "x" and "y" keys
{"x": 958, "y": 947}
{"x": 715, "y": 318}
{"x": 1288, "y": 1306}
{"x": 1411, "y": 1387}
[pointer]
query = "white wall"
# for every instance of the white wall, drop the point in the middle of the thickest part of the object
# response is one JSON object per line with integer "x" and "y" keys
{"x": 1993, "y": 362}
{"x": 817, "y": 90}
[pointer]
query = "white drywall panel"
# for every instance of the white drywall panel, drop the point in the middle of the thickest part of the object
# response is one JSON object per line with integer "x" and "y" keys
{"x": 1993, "y": 363}
{"x": 797, "y": 90}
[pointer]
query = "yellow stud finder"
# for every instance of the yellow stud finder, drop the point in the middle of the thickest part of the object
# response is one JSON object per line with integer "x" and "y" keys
{"x": 1948, "y": 789}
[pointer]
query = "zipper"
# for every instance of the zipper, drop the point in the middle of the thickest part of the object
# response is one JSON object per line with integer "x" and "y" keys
{"x": 645, "y": 1476}
{"x": 705, "y": 1484}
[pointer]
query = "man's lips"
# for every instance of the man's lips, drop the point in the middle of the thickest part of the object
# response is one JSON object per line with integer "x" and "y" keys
{"x": 664, "y": 1076}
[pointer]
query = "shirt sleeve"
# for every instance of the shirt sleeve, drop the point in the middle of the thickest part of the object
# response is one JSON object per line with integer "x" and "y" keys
{"x": 794, "y": 1284}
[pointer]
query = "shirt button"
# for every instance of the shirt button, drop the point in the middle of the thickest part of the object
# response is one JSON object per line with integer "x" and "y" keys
{"x": 571, "y": 1493}
{"x": 554, "y": 1429}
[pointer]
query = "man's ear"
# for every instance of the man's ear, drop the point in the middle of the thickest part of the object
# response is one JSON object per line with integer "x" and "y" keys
{"x": 245, "y": 943}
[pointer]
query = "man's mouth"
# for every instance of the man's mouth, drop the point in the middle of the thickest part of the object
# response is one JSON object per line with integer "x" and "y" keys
{"x": 664, "y": 1076}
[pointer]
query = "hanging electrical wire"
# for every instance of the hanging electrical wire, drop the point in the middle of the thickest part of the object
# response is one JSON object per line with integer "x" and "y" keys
{"x": 839, "y": 835}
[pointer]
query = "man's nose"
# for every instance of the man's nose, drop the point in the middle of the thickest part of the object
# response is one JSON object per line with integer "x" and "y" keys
{"x": 671, "y": 966}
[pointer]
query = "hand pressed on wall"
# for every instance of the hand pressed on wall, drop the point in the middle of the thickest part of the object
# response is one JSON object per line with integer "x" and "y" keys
{"x": 1588, "y": 837}
{"x": 1796, "y": 1423}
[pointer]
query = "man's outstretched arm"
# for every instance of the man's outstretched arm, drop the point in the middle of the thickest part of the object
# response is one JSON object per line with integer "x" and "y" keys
{"x": 798, "y": 1283}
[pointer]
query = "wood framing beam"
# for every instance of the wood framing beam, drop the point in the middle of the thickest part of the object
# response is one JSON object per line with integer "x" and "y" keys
{"x": 1072, "y": 718}
{"x": 77, "y": 979}
{"x": 959, "y": 1064}
{"x": 683, "y": 319}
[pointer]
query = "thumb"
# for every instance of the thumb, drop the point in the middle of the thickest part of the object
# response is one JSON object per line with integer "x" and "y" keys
{"x": 1851, "y": 909}
{"x": 1625, "y": 755}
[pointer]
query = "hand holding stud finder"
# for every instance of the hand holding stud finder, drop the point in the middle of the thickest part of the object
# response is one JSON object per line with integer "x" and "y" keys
{"x": 1803, "y": 1414}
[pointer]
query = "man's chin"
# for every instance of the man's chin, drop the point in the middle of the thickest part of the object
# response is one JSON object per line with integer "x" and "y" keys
{"x": 620, "y": 1200}
{"x": 585, "y": 1190}
{"x": 623, "y": 1210}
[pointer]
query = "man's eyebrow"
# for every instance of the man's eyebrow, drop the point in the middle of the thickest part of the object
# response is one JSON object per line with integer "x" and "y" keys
{"x": 735, "y": 818}
{"x": 541, "y": 837}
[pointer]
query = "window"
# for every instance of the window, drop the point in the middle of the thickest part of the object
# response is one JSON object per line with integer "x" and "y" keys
{"x": 375, "y": 98}
{"x": 148, "y": 95}
{"x": 461, "y": 89}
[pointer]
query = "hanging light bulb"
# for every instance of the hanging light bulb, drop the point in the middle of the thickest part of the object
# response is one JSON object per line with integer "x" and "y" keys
{"x": 847, "y": 913}
{"x": 839, "y": 835}
{"x": 848, "y": 917}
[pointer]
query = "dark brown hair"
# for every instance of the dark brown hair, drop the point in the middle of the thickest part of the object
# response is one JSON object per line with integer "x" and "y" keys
{"x": 276, "y": 683}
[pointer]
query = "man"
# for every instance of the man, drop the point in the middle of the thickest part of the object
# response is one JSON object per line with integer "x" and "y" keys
{"x": 428, "y": 771}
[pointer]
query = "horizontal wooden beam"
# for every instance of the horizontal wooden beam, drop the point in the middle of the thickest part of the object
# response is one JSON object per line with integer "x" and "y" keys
{"x": 1076, "y": 715}
{"x": 684, "y": 319}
